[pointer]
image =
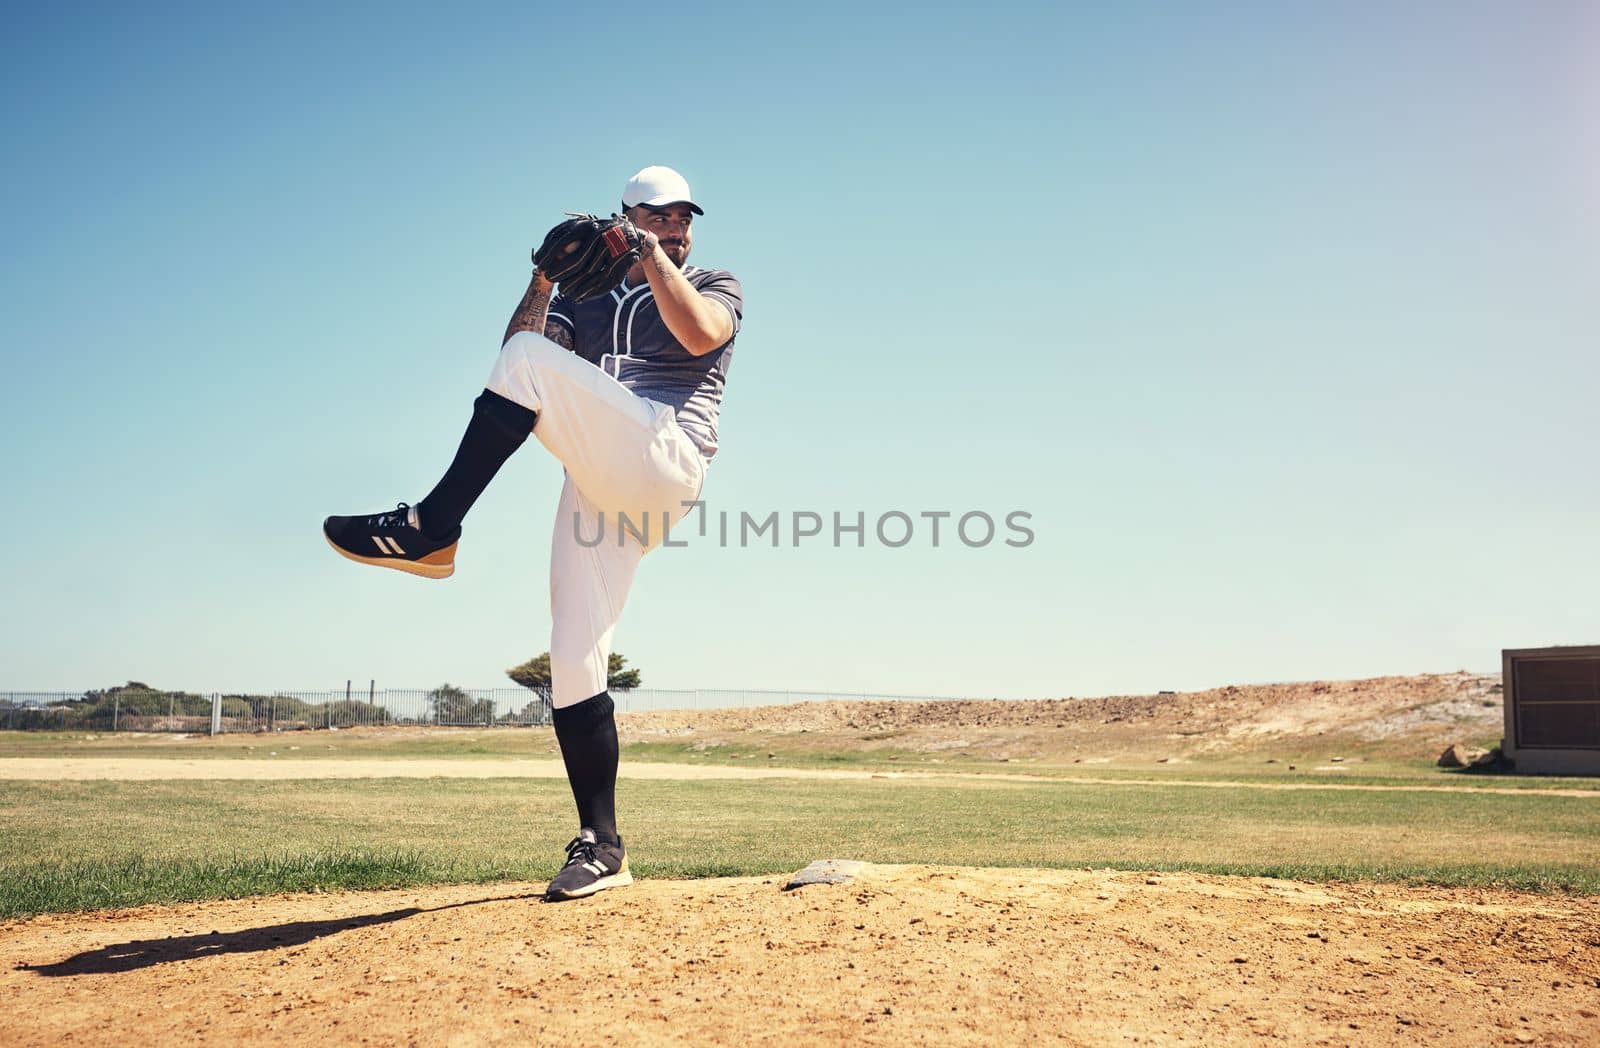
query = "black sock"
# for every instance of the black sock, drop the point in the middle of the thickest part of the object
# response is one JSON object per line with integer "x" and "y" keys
{"x": 587, "y": 732}
{"x": 498, "y": 428}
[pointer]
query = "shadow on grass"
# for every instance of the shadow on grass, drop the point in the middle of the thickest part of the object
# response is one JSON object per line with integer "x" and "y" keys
{"x": 147, "y": 953}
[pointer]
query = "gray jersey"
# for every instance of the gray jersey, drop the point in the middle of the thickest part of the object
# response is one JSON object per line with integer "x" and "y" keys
{"x": 623, "y": 334}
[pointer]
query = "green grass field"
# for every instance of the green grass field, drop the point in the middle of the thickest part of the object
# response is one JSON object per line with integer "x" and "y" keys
{"x": 1362, "y": 765}
{"x": 85, "y": 845}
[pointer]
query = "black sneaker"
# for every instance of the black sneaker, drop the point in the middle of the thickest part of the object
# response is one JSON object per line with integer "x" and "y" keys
{"x": 392, "y": 540}
{"x": 592, "y": 866}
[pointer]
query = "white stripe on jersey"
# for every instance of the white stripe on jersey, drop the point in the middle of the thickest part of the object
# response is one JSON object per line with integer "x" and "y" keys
{"x": 633, "y": 313}
{"x": 616, "y": 316}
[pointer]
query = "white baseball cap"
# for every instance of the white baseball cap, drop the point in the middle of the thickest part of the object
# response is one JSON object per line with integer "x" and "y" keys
{"x": 658, "y": 187}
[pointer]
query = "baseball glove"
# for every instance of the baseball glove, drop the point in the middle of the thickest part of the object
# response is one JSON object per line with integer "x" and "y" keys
{"x": 588, "y": 255}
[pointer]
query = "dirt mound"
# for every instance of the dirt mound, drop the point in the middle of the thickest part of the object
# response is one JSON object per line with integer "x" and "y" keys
{"x": 1402, "y": 711}
{"x": 900, "y": 955}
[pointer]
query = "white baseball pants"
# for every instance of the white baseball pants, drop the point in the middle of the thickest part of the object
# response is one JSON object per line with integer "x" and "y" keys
{"x": 629, "y": 472}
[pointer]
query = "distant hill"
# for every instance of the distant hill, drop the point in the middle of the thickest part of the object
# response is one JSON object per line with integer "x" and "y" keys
{"x": 1381, "y": 716}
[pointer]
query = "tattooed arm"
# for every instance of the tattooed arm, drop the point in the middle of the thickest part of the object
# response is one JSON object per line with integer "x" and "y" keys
{"x": 698, "y": 323}
{"x": 530, "y": 313}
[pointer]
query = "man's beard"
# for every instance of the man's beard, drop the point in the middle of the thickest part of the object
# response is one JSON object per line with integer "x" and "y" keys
{"x": 676, "y": 253}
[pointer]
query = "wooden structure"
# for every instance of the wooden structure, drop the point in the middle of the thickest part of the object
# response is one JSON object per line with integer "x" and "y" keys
{"x": 1552, "y": 707}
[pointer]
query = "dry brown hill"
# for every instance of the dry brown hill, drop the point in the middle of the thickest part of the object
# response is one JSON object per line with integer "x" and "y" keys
{"x": 1391, "y": 716}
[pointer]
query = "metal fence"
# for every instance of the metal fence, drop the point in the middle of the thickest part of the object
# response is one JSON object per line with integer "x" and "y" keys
{"x": 216, "y": 712}
{"x": 132, "y": 709}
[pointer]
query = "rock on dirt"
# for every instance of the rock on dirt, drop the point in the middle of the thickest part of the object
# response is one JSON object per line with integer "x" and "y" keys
{"x": 1458, "y": 756}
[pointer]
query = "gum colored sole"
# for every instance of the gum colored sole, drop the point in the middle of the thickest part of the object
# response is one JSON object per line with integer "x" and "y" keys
{"x": 410, "y": 567}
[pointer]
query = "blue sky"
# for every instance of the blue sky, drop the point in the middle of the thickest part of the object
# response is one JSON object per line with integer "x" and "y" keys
{"x": 1279, "y": 320}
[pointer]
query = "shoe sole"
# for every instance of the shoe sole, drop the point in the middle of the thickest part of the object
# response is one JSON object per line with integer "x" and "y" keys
{"x": 420, "y": 567}
{"x": 620, "y": 879}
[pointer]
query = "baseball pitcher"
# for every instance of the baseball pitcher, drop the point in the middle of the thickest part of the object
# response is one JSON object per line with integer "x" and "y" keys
{"x": 621, "y": 378}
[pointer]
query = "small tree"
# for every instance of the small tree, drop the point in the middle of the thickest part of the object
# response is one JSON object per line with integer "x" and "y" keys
{"x": 619, "y": 679}
{"x": 535, "y": 674}
{"x": 451, "y": 705}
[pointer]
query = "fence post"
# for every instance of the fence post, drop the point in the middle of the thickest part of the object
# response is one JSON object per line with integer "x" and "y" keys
{"x": 170, "y": 700}
{"x": 216, "y": 713}
{"x": 116, "y": 710}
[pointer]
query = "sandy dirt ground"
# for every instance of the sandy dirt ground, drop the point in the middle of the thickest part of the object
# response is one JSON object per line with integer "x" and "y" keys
{"x": 900, "y": 955}
{"x": 147, "y": 769}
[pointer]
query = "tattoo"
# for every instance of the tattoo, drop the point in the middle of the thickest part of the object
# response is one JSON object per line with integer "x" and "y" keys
{"x": 530, "y": 313}
{"x": 698, "y": 324}
{"x": 654, "y": 259}
{"x": 559, "y": 335}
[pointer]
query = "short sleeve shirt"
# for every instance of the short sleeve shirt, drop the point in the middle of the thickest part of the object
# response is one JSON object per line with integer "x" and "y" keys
{"x": 623, "y": 334}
